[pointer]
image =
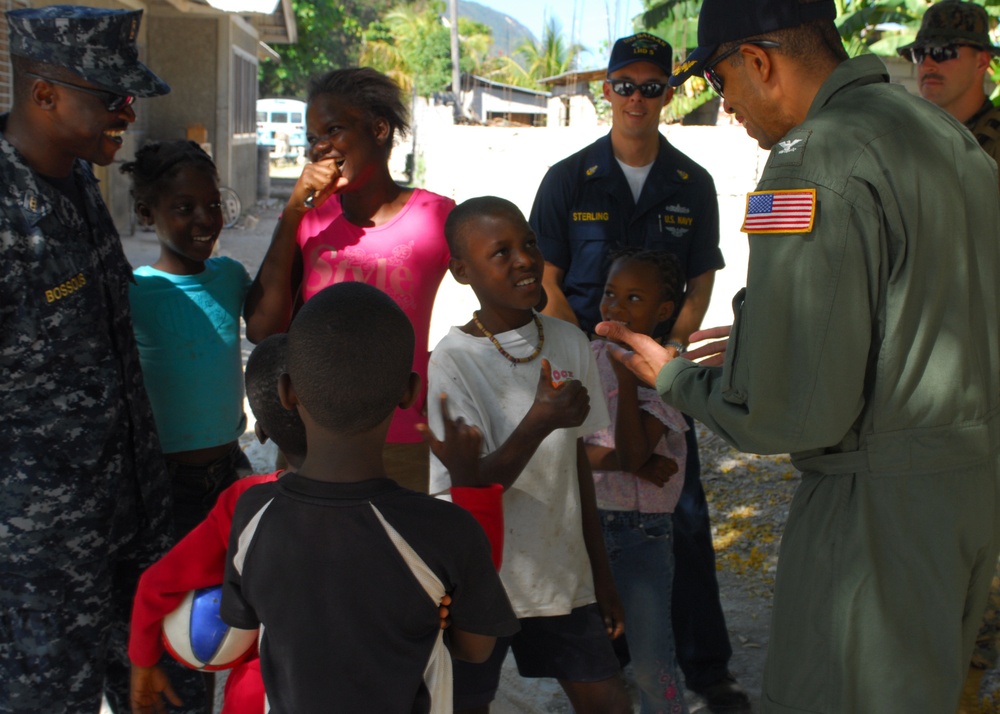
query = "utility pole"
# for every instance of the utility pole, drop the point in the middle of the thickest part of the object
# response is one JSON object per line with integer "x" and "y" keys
{"x": 456, "y": 78}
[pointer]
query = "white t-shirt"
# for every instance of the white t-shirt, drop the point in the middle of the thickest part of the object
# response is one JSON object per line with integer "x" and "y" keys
{"x": 636, "y": 176}
{"x": 546, "y": 569}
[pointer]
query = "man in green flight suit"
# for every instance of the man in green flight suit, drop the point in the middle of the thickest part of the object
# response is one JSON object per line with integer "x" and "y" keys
{"x": 867, "y": 345}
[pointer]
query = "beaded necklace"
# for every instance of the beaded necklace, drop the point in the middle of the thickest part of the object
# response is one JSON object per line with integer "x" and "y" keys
{"x": 505, "y": 353}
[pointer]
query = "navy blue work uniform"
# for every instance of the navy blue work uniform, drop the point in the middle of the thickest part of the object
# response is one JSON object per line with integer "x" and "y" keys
{"x": 583, "y": 211}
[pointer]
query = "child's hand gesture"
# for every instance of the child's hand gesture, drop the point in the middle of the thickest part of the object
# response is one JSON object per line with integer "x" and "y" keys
{"x": 320, "y": 179}
{"x": 459, "y": 451}
{"x": 150, "y": 686}
{"x": 559, "y": 406}
{"x": 657, "y": 470}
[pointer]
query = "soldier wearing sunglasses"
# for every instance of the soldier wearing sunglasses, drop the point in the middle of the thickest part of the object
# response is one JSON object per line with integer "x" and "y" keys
{"x": 953, "y": 51}
{"x": 633, "y": 188}
{"x": 84, "y": 493}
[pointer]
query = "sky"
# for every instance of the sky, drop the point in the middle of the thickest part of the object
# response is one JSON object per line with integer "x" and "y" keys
{"x": 596, "y": 21}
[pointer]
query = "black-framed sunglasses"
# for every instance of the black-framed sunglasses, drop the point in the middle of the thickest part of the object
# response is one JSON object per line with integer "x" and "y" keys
{"x": 113, "y": 101}
{"x": 938, "y": 54}
{"x": 626, "y": 88}
{"x": 713, "y": 78}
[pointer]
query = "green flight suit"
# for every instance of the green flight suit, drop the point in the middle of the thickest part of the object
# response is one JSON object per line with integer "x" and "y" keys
{"x": 868, "y": 348}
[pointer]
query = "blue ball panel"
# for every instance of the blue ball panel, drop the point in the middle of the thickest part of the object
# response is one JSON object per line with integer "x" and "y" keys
{"x": 207, "y": 628}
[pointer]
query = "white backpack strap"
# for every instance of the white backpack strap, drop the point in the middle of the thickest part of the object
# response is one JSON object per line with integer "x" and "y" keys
{"x": 437, "y": 674}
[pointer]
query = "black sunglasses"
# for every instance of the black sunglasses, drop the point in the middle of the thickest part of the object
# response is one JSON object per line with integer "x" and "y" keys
{"x": 713, "y": 78}
{"x": 113, "y": 101}
{"x": 626, "y": 88}
{"x": 938, "y": 54}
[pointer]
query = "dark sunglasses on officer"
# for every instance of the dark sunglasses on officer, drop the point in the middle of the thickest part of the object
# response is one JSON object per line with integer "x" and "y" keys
{"x": 112, "y": 101}
{"x": 626, "y": 88}
{"x": 938, "y": 54}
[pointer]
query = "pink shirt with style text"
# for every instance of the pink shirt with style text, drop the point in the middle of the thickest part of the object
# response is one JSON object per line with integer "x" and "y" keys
{"x": 405, "y": 258}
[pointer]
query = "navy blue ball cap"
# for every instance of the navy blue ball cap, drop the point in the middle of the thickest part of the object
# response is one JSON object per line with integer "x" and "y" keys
{"x": 643, "y": 47}
{"x": 723, "y": 21}
{"x": 95, "y": 43}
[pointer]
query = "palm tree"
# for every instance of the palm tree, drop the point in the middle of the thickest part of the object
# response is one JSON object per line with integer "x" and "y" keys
{"x": 412, "y": 45}
{"x": 552, "y": 55}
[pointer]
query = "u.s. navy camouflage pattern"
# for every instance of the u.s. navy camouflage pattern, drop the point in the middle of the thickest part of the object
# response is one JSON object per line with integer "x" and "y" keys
{"x": 80, "y": 466}
{"x": 96, "y": 43}
{"x": 82, "y": 481}
{"x": 32, "y": 675}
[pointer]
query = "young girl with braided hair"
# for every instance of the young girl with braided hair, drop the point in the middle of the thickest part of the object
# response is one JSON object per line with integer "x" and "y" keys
{"x": 186, "y": 308}
{"x": 638, "y": 465}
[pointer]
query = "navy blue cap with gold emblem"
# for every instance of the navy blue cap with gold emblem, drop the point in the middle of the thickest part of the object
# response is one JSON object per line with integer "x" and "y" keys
{"x": 643, "y": 47}
{"x": 723, "y": 21}
{"x": 97, "y": 44}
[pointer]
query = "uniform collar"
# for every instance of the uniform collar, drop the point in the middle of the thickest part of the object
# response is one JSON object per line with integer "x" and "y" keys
{"x": 986, "y": 107}
{"x": 857, "y": 71}
{"x": 301, "y": 485}
{"x": 35, "y": 197}
{"x": 600, "y": 162}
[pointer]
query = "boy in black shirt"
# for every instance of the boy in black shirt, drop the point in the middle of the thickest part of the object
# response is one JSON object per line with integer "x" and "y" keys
{"x": 343, "y": 568}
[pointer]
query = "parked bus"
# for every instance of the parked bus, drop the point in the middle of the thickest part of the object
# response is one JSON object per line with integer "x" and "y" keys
{"x": 281, "y": 125}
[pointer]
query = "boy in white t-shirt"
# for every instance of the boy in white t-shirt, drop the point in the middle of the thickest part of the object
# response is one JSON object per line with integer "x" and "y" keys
{"x": 530, "y": 384}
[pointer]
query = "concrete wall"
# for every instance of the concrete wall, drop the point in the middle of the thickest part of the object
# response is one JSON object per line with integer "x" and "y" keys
{"x": 571, "y": 110}
{"x": 183, "y": 50}
{"x": 195, "y": 54}
{"x": 238, "y": 166}
{"x": 5, "y": 76}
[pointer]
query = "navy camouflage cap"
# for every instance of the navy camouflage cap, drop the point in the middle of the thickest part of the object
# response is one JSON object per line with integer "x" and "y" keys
{"x": 95, "y": 43}
{"x": 953, "y": 22}
{"x": 722, "y": 21}
{"x": 643, "y": 47}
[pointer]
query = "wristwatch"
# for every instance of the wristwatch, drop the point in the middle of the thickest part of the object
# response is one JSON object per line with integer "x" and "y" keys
{"x": 677, "y": 345}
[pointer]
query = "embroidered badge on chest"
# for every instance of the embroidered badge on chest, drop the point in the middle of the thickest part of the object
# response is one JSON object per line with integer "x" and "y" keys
{"x": 786, "y": 211}
{"x": 791, "y": 150}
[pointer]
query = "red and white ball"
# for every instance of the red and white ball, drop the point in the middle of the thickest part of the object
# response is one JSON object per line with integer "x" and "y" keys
{"x": 196, "y": 636}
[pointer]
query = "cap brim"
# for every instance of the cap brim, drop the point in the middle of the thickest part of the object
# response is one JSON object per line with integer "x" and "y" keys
{"x": 137, "y": 79}
{"x": 694, "y": 64}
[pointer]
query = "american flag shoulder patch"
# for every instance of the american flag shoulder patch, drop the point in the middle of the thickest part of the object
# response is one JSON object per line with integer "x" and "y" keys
{"x": 785, "y": 211}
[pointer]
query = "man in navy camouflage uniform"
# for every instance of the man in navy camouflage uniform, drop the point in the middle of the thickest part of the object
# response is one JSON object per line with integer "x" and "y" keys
{"x": 84, "y": 497}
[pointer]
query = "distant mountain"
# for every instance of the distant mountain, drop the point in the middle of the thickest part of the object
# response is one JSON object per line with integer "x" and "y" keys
{"x": 508, "y": 33}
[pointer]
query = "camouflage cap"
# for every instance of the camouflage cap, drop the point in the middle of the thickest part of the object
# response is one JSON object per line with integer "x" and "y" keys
{"x": 96, "y": 43}
{"x": 950, "y": 22}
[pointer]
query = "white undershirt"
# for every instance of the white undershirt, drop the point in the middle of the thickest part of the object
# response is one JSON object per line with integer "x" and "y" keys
{"x": 636, "y": 176}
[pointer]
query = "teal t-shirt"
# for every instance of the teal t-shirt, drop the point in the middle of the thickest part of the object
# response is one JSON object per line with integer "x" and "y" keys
{"x": 188, "y": 331}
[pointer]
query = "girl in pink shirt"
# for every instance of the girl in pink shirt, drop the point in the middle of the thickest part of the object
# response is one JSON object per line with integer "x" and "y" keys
{"x": 347, "y": 219}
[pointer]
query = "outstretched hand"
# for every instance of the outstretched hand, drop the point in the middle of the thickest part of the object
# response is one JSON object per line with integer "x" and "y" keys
{"x": 643, "y": 355}
{"x": 712, "y": 354}
{"x": 459, "y": 451}
{"x": 559, "y": 406}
